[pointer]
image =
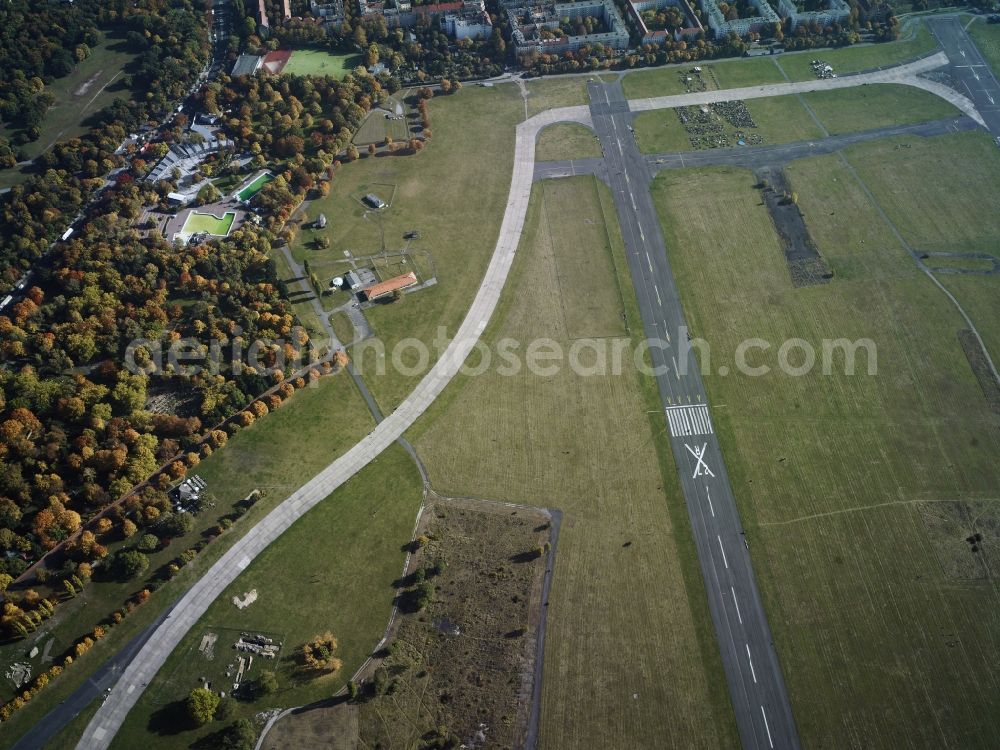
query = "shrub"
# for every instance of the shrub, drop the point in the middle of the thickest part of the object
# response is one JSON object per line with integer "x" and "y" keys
{"x": 128, "y": 564}
{"x": 201, "y": 705}
{"x": 148, "y": 543}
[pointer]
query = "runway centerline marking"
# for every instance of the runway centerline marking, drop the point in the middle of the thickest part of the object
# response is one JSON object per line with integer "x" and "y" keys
{"x": 710, "y": 507}
{"x": 753, "y": 672}
{"x": 766, "y": 727}
{"x": 737, "y": 605}
{"x": 724, "y": 560}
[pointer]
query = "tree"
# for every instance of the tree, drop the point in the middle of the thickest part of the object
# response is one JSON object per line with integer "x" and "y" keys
{"x": 148, "y": 543}
{"x": 208, "y": 193}
{"x": 201, "y": 705}
{"x": 128, "y": 528}
{"x": 175, "y": 524}
{"x": 318, "y": 654}
{"x": 127, "y": 564}
{"x": 240, "y": 736}
{"x": 266, "y": 684}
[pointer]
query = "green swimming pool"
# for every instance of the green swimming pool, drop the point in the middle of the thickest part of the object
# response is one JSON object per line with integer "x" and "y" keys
{"x": 214, "y": 225}
{"x": 251, "y": 189}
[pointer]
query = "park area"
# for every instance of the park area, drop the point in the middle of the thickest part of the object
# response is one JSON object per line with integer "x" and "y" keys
{"x": 596, "y": 454}
{"x": 314, "y": 62}
{"x": 859, "y": 493}
{"x": 92, "y": 85}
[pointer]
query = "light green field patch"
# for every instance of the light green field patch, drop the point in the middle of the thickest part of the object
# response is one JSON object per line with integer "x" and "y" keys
{"x": 217, "y": 226}
{"x": 876, "y": 106}
{"x": 987, "y": 39}
{"x": 564, "y": 91}
{"x": 312, "y": 62}
{"x": 566, "y": 140}
{"x": 587, "y": 284}
{"x": 752, "y": 71}
{"x": 859, "y": 57}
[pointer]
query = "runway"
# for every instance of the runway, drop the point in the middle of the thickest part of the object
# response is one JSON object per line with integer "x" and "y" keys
{"x": 759, "y": 697}
{"x": 970, "y": 72}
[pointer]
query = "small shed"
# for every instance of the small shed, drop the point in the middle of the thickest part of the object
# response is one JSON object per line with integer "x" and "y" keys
{"x": 321, "y": 221}
{"x": 374, "y": 201}
{"x": 352, "y": 280}
{"x": 178, "y": 199}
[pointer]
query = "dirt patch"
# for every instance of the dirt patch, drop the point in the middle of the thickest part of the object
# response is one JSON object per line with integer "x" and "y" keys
{"x": 459, "y": 667}
{"x": 980, "y": 368}
{"x": 84, "y": 87}
{"x": 964, "y": 535}
{"x": 805, "y": 265}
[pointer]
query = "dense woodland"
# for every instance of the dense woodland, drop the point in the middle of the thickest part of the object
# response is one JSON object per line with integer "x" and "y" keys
{"x": 171, "y": 41}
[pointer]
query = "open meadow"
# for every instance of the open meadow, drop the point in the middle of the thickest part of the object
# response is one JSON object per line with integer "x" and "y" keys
{"x": 567, "y": 140}
{"x": 630, "y": 656}
{"x": 317, "y": 62}
{"x": 340, "y": 559}
{"x": 876, "y": 106}
{"x": 456, "y": 209}
{"x": 856, "y": 491}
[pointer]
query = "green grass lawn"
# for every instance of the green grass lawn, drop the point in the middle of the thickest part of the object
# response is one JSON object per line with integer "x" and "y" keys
{"x": 876, "y": 106}
{"x": 876, "y": 641}
{"x": 314, "y": 62}
{"x": 252, "y": 188}
{"x": 214, "y": 225}
{"x": 456, "y": 210}
{"x": 858, "y": 57}
{"x": 987, "y": 39}
{"x": 376, "y": 127}
{"x": 92, "y": 85}
{"x": 780, "y": 119}
{"x": 561, "y": 91}
{"x": 276, "y": 455}
{"x": 942, "y": 195}
{"x": 630, "y": 655}
{"x": 332, "y": 570}
{"x": 727, "y": 74}
{"x": 753, "y": 71}
{"x": 566, "y": 140}
{"x": 343, "y": 327}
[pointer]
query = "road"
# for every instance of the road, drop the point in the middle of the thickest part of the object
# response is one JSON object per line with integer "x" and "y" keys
{"x": 755, "y": 680}
{"x": 972, "y": 75}
{"x": 95, "y": 686}
{"x": 760, "y": 699}
{"x": 754, "y": 156}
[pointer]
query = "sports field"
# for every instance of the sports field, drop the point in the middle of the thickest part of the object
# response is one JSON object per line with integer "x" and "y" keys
{"x": 312, "y": 62}
{"x": 630, "y": 657}
{"x": 217, "y": 226}
{"x": 841, "y": 480}
{"x": 340, "y": 559}
{"x": 253, "y": 187}
{"x": 566, "y": 140}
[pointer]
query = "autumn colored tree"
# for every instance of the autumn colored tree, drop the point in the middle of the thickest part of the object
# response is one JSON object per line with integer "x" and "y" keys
{"x": 319, "y": 653}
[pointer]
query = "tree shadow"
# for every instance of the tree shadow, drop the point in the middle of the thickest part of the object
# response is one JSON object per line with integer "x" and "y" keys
{"x": 170, "y": 720}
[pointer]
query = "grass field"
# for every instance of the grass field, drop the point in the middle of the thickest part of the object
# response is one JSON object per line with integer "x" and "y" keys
{"x": 456, "y": 210}
{"x": 253, "y": 187}
{"x": 312, "y": 62}
{"x": 876, "y": 106}
{"x": 942, "y": 195}
{"x": 780, "y": 119}
{"x": 860, "y": 57}
{"x": 91, "y": 85}
{"x": 564, "y": 91}
{"x": 630, "y": 656}
{"x": 721, "y": 75}
{"x": 218, "y": 226}
{"x": 566, "y": 140}
{"x": 276, "y": 455}
{"x": 376, "y": 127}
{"x": 832, "y": 473}
{"x": 332, "y": 570}
{"x": 987, "y": 39}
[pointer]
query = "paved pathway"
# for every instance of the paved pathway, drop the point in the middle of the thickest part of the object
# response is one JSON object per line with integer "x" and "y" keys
{"x": 143, "y": 668}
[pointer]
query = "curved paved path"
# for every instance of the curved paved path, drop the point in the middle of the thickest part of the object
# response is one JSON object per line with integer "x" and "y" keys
{"x": 109, "y": 718}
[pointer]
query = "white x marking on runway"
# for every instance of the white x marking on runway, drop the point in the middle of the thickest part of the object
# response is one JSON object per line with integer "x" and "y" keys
{"x": 701, "y": 467}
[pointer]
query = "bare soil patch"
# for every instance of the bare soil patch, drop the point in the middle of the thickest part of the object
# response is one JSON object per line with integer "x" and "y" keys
{"x": 805, "y": 265}
{"x": 964, "y": 535}
{"x": 460, "y": 668}
{"x": 84, "y": 87}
